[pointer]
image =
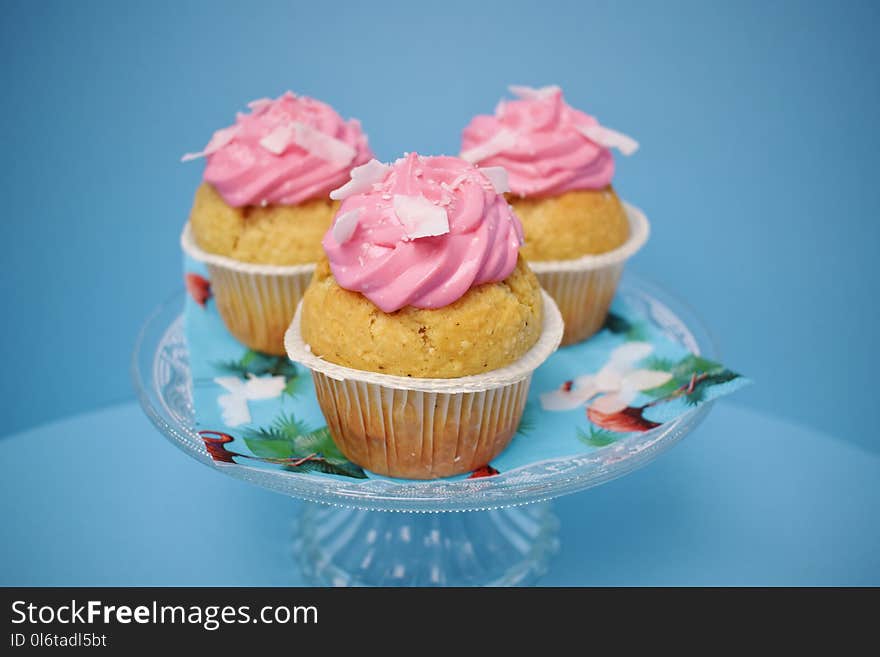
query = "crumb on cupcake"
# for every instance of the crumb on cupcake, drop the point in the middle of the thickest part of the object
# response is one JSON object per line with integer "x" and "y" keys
{"x": 491, "y": 326}
{"x": 275, "y": 234}
{"x": 571, "y": 225}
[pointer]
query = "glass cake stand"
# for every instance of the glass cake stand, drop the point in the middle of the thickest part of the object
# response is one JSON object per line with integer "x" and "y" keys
{"x": 504, "y": 532}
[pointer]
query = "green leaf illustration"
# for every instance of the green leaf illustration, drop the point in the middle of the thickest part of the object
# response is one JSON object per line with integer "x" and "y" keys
{"x": 249, "y": 357}
{"x": 345, "y": 469}
{"x": 597, "y": 437}
{"x": 660, "y": 364}
{"x": 666, "y": 389}
{"x": 616, "y": 323}
{"x": 693, "y": 364}
{"x": 259, "y": 364}
{"x": 620, "y": 325}
{"x": 692, "y": 377}
{"x": 270, "y": 448}
{"x": 290, "y": 438}
{"x": 702, "y": 386}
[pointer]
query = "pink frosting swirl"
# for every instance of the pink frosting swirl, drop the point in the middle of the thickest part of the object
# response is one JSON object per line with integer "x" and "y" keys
{"x": 539, "y": 140}
{"x": 284, "y": 152}
{"x": 422, "y": 232}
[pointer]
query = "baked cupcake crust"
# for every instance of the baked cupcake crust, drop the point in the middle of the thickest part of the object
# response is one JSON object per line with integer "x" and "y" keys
{"x": 571, "y": 225}
{"x": 272, "y": 235}
{"x": 490, "y": 327}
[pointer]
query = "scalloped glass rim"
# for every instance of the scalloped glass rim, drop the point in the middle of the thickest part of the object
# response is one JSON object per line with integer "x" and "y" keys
{"x": 160, "y": 371}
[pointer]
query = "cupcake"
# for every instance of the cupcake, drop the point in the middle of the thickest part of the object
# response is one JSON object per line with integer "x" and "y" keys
{"x": 424, "y": 325}
{"x": 578, "y": 233}
{"x": 263, "y": 207}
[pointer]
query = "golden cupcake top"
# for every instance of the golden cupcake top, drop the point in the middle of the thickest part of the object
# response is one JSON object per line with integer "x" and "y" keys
{"x": 488, "y": 328}
{"x": 571, "y": 225}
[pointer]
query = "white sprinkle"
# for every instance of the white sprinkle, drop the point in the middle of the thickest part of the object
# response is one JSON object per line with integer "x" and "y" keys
{"x": 498, "y": 177}
{"x": 502, "y": 140}
{"x": 420, "y": 218}
{"x": 311, "y": 139}
{"x": 345, "y": 225}
{"x": 218, "y": 140}
{"x": 458, "y": 181}
{"x": 609, "y": 138}
{"x": 325, "y": 146}
{"x": 363, "y": 178}
{"x": 279, "y": 139}
{"x": 259, "y": 104}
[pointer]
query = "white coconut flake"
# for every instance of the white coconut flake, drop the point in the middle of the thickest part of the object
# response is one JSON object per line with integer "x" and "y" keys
{"x": 345, "y": 225}
{"x": 420, "y": 217}
{"x": 532, "y": 93}
{"x": 609, "y": 138}
{"x": 218, "y": 140}
{"x": 455, "y": 184}
{"x": 279, "y": 139}
{"x": 323, "y": 145}
{"x": 501, "y": 141}
{"x": 259, "y": 104}
{"x": 498, "y": 177}
{"x": 311, "y": 139}
{"x": 362, "y": 180}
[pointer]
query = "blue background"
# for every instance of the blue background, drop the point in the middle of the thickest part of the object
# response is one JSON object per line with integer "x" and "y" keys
{"x": 757, "y": 121}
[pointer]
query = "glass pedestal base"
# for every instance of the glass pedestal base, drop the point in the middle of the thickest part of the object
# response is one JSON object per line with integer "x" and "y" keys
{"x": 350, "y": 547}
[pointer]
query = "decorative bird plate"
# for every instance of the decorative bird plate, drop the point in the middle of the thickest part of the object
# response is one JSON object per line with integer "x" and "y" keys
{"x": 596, "y": 409}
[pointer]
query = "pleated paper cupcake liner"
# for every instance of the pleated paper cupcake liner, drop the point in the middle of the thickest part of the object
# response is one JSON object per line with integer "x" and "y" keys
{"x": 424, "y": 428}
{"x": 583, "y": 288}
{"x": 255, "y": 301}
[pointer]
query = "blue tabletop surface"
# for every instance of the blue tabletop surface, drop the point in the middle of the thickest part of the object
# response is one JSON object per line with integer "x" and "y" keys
{"x": 745, "y": 499}
{"x": 759, "y": 141}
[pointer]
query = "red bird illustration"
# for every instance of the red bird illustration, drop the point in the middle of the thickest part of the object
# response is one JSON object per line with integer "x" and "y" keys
{"x": 628, "y": 420}
{"x": 199, "y": 288}
{"x": 215, "y": 442}
{"x": 485, "y": 471}
{"x": 632, "y": 418}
